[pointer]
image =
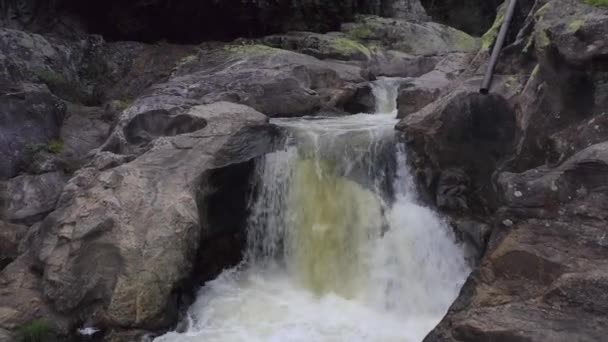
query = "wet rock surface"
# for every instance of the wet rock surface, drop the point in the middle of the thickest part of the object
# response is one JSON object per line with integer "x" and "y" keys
{"x": 534, "y": 209}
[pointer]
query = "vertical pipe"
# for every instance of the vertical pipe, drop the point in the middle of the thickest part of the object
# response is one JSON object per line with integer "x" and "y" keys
{"x": 500, "y": 40}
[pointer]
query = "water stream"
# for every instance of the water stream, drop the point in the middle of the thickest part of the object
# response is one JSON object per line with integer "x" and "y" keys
{"x": 339, "y": 248}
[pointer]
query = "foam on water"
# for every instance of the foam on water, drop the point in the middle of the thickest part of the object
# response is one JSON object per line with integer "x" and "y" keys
{"x": 339, "y": 248}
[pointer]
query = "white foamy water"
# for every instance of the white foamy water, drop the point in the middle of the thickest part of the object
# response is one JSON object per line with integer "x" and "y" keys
{"x": 339, "y": 248}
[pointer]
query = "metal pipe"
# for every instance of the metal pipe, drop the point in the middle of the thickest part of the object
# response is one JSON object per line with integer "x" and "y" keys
{"x": 500, "y": 41}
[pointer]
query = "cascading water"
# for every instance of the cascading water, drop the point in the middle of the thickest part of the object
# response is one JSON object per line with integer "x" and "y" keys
{"x": 339, "y": 249}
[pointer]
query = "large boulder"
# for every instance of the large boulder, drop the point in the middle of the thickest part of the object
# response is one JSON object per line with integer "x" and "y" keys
{"x": 415, "y": 38}
{"x": 273, "y": 81}
{"x": 120, "y": 246}
{"x": 545, "y": 275}
{"x": 542, "y": 275}
{"x": 567, "y": 87}
{"x": 458, "y": 141}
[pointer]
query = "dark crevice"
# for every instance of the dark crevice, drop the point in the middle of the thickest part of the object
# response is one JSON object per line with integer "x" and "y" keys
{"x": 474, "y": 17}
{"x": 222, "y": 199}
{"x": 194, "y": 21}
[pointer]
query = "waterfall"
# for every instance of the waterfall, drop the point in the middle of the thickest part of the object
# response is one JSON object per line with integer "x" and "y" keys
{"x": 339, "y": 247}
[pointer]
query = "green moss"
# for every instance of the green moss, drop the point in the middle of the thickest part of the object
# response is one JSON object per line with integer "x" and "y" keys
{"x": 347, "y": 47}
{"x": 51, "y": 78}
{"x": 361, "y": 32}
{"x": 55, "y": 146}
{"x": 597, "y": 3}
{"x": 464, "y": 42}
{"x": 535, "y": 71}
{"x": 542, "y": 38}
{"x": 575, "y": 25}
{"x": 61, "y": 86}
{"x": 541, "y": 11}
{"x": 187, "y": 60}
{"x": 488, "y": 38}
{"x": 36, "y": 331}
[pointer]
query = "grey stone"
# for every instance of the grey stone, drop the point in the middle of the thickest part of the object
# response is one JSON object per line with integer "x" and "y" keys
{"x": 29, "y": 116}
{"x": 29, "y": 198}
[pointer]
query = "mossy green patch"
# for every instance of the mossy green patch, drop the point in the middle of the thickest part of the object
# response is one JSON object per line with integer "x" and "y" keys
{"x": 541, "y": 11}
{"x": 488, "y": 38}
{"x": 361, "y": 32}
{"x": 55, "y": 146}
{"x": 61, "y": 86}
{"x": 52, "y": 78}
{"x": 36, "y": 331}
{"x": 542, "y": 38}
{"x": 464, "y": 42}
{"x": 347, "y": 47}
{"x": 535, "y": 71}
{"x": 597, "y": 3}
{"x": 575, "y": 25}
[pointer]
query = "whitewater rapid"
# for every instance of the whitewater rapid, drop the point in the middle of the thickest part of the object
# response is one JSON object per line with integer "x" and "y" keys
{"x": 339, "y": 246}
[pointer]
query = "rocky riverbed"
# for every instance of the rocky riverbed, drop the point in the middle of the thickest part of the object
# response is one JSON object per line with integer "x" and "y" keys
{"x": 128, "y": 134}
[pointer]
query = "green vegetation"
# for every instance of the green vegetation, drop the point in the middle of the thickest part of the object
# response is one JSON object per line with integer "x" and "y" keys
{"x": 575, "y": 25}
{"x": 61, "y": 86}
{"x": 488, "y": 38}
{"x": 597, "y": 3}
{"x": 55, "y": 146}
{"x": 542, "y": 38}
{"x": 535, "y": 71}
{"x": 36, "y": 331}
{"x": 347, "y": 47}
{"x": 463, "y": 41}
{"x": 361, "y": 32}
{"x": 541, "y": 11}
{"x": 52, "y": 79}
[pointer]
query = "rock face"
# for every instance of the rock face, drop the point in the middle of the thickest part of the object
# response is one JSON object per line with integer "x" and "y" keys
{"x": 30, "y": 197}
{"x": 275, "y": 82}
{"x": 463, "y": 135}
{"x": 10, "y": 236}
{"x": 28, "y": 116}
{"x": 117, "y": 223}
{"x": 410, "y": 37}
{"x": 534, "y": 208}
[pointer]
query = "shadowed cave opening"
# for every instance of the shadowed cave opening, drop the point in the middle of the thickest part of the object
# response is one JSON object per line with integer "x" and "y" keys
{"x": 222, "y": 199}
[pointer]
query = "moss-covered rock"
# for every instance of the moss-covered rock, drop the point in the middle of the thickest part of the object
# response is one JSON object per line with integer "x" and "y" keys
{"x": 416, "y": 38}
{"x": 324, "y": 46}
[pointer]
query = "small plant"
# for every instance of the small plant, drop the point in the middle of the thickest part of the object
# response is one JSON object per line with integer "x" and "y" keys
{"x": 55, "y": 146}
{"x": 52, "y": 79}
{"x": 597, "y": 3}
{"x": 36, "y": 331}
